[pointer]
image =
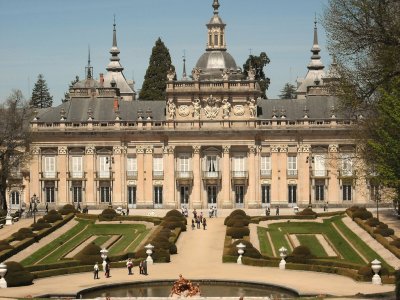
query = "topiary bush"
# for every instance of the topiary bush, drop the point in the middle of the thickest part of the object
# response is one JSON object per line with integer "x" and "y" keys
{"x": 174, "y": 213}
{"x": 23, "y": 233}
{"x": 353, "y": 208}
{"x": 52, "y": 216}
{"x": 238, "y": 232}
{"x": 40, "y": 225}
{"x": 362, "y": 213}
{"x": 173, "y": 224}
{"x": 366, "y": 272}
{"x": 249, "y": 251}
{"x": 302, "y": 252}
{"x": 68, "y": 209}
{"x": 237, "y": 214}
{"x": 386, "y": 232}
{"x": 175, "y": 219}
{"x": 4, "y": 245}
{"x": 17, "y": 275}
{"x": 307, "y": 212}
{"x": 108, "y": 214}
{"x": 237, "y": 221}
{"x": 397, "y": 283}
{"x": 396, "y": 243}
{"x": 373, "y": 222}
{"x": 89, "y": 255}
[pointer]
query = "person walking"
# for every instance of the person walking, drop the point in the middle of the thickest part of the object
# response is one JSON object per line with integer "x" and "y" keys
{"x": 47, "y": 207}
{"x": 96, "y": 271}
{"x": 192, "y": 224}
{"x": 198, "y": 222}
{"x": 277, "y": 210}
{"x": 204, "y": 223}
{"x": 145, "y": 267}
{"x": 141, "y": 267}
{"x": 210, "y": 212}
{"x": 129, "y": 265}
{"x": 215, "y": 211}
{"x": 195, "y": 214}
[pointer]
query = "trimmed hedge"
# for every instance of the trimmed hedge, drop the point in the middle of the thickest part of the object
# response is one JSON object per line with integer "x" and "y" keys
{"x": 307, "y": 212}
{"x": 301, "y": 252}
{"x": 23, "y": 234}
{"x": 238, "y": 232}
{"x": 68, "y": 209}
{"x": 89, "y": 255}
{"x": 17, "y": 275}
{"x": 108, "y": 214}
{"x": 237, "y": 221}
{"x": 373, "y": 222}
{"x": 362, "y": 213}
{"x": 4, "y": 245}
{"x": 249, "y": 251}
{"x": 52, "y": 216}
{"x": 174, "y": 213}
{"x": 40, "y": 224}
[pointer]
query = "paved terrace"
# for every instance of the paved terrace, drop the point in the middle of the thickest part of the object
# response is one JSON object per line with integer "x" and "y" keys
{"x": 199, "y": 257}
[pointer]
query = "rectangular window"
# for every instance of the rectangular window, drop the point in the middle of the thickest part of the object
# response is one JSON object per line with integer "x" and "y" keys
{"x": 221, "y": 40}
{"x": 49, "y": 194}
{"x": 131, "y": 167}
{"x": 104, "y": 167}
{"x": 212, "y": 194}
{"x": 158, "y": 195}
{"x": 184, "y": 166}
{"x": 77, "y": 166}
{"x": 49, "y": 166}
{"x": 105, "y": 194}
{"x": 184, "y": 193}
{"x": 215, "y": 39}
{"x": 347, "y": 193}
{"x": 320, "y": 190}
{"x": 77, "y": 194}
{"x": 265, "y": 165}
{"x": 319, "y": 166}
{"x": 15, "y": 198}
{"x": 347, "y": 164}
{"x": 158, "y": 167}
{"x": 373, "y": 192}
{"x": 266, "y": 194}
{"x": 239, "y": 194}
{"x": 131, "y": 196}
{"x": 212, "y": 166}
{"x": 239, "y": 166}
{"x": 292, "y": 165}
{"x": 292, "y": 194}
{"x": 210, "y": 40}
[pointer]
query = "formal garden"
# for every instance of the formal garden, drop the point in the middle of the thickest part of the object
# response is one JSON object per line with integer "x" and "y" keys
{"x": 313, "y": 242}
{"x": 79, "y": 248}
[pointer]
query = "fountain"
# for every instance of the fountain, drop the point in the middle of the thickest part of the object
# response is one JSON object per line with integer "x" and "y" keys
{"x": 184, "y": 288}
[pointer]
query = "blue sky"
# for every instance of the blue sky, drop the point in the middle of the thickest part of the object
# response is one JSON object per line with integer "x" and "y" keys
{"x": 52, "y": 37}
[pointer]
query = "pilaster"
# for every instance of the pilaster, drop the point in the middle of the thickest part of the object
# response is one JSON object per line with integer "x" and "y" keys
{"x": 118, "y": 176}
{"x": 148, "y": 178}
{"x": 196, "y": 191}
{"x": 251, "y": 199}
{"x": 62, "y": 168}
{"x": 169, "y": 180}
{"x": 227, "y": 201}
{"x": 35, "y": 170}
{"x": 90, "y": 169}
{"x": 141, "y": 176}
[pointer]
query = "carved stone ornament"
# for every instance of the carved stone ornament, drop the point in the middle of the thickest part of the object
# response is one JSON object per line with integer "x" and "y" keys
{"x": 252, "y": 108}
{"x": 305, "y": 148}
{"x": 62, "y": 150}
{"x": 131, "y": 182}
{"x": 238, "y": 110}
{"x": 183, "y": 110}
{"x": 196, "y": 108}
{"x": 196, "y": 149}
{"x": 274, "y": 148}
{"x": 252, "y": 149}
{"x": 90, "y": 150}
{"x": 171, "y": 109}
{"x": 226, "y": 149}
{"x": 35, "y": 150}
{"x": 333, "y": 148}
{"x": 211, "y": 110}
{"x": 157, "y": 182}
{"x": 226, "y": 108}
{"x": 283, "y": 148}
{"x": 118, "y": 149}
{"x": 225, "y": 75}
{"x": 196, "y": 73}
{"x": 139, "y": 149}
{"x": 149, "y": 150}
{"x": 252, "y": 73}
{"x": 169, "y": 149}
{"x": 171, "y": 74}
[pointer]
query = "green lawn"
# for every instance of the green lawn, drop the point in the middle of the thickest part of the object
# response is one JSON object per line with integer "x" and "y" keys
{"x": 131, "y": 236}
{"x": 305, "y": 231}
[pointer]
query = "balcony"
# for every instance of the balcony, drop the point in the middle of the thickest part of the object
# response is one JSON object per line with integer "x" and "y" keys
{"x": 346, "y": 174}
{"x": 49, "y": 176}
{"x": 292, "y": 174}
{"x": 158, "y": 175}
{"x": 184, "y": 177}
{"x": 266, "y": 174}
{"x": 131, "y": 175}
{"x": 76, "y": 175}
{"x": 211, "y": 177}
{"x": 16, "y": 175}
{"x": 320, "y": 174}
{"x": 104, "y": 175}
{"x": 239, "y": 177}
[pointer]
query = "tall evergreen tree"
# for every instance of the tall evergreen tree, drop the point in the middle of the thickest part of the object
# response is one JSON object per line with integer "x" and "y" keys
{"x": 258, "y": 63}
{"x": 288, "y": 91}
{"x": 41, "y": 97}
{"x": 155, "y": 80}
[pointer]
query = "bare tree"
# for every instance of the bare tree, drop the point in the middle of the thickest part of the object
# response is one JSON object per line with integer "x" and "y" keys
{"x": 14, "y": 138}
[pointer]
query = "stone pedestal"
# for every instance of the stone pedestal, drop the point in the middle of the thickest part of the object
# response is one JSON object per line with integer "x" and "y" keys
{"x": 9, "y": 220}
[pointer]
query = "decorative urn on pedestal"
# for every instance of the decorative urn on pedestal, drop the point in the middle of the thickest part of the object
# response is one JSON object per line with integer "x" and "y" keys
{"x": 149, "y": 251}
{"x": 282, "y": 254}
{"x": 3, "y": 271}
{"x": 376, "y": 267}
{"x": 104, "y": 253}
{"x": 240, "y": 248}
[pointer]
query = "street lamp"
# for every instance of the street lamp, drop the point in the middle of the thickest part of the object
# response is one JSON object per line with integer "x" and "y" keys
{"x": 310, "y": 161}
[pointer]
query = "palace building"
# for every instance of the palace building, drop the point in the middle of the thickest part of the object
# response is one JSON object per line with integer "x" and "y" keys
{"x": 212, "y": 142}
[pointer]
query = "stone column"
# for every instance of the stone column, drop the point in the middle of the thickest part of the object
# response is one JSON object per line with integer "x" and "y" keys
{"x": 169, "y": 179}
{"x": 334, "y": 193}
{"x": 275, "y": 175}
{"x": 226, "y": 178}
{"x": 196, "y": 191}
{"x": 140, "y": 178}
{"x": 118, "y": 174}
{"x": 62, "y": 168}
{"x": 35, "y": 169}
{"x": 148, "y": 176}
{"x": 251, "y": 190}
{"x": 90, "y": 173}
{"x": 304, "y": 176}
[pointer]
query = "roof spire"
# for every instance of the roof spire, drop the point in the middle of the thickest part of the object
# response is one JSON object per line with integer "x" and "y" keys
{"x": 215, "y": 6}
{"x": 316, "y": 63}
{"x": 89, "y": 68}
{"x": 184, "y": 76}
{"x": 114, "y": 64}
{"x": 216, "y": 31}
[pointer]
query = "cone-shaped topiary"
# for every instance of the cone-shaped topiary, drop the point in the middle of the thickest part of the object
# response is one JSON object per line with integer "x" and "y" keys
{"x": 17, "y": 275}
{"x": 67, "y": 209}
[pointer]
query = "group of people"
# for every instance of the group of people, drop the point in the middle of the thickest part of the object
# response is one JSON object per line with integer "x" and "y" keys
{"x": 184, "y": 211}
{"x": 129, "y": 266}
{"x": 212, "y": 212}
{"x": 142, "y": 267}
{"x": 106, "y": 269}
{"x": 199, "y": 220}
{"x": 268, "y": 211}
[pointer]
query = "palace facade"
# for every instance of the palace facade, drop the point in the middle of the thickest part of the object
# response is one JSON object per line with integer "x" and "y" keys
{"x": 212, "y": 142}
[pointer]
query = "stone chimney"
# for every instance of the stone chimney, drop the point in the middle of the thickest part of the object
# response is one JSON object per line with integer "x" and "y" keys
{"x": 101, "y": 79}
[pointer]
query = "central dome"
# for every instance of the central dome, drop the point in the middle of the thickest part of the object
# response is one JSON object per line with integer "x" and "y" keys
{"x": 217, "y": 60}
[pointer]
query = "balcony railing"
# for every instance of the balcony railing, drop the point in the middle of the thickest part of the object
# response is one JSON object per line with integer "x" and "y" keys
{"x": 266, "y": 173}
{"x": 292, "y": 173}
{"x": 184, "y": 175}
{"x": 320, "y": 173}
{"x": 76, "y": 175}
{"x": 131, "y": 174}
{"x": 49, "y": 175}
{"x": 158, "y": 174}
{"x": 240, "y": 174}
{"x": 346, "y": 173}
{"x": 104, "y": 175}
{"x": 16, "y": 175}
{"x": 211, "y": 174}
